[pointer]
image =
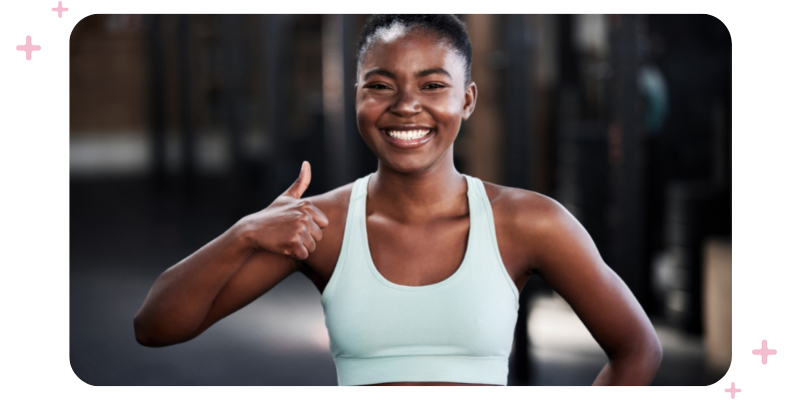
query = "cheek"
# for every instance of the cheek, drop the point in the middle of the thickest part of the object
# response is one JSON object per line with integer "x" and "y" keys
{"x": 363, "y": 117}
{"x": 368, "y": 109}
{"x": 367, "y": 114}
{"x": 447, "y": 109}
{"x": 457, "y": 102}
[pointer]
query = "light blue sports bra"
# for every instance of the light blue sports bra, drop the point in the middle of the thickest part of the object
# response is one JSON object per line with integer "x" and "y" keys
{"x": 456, "y": 330}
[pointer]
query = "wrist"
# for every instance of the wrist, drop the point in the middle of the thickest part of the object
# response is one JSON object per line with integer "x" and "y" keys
{"x": 244, "y": 234}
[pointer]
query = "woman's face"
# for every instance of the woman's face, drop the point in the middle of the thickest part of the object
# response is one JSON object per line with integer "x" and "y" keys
{"x": 411, "y": 99}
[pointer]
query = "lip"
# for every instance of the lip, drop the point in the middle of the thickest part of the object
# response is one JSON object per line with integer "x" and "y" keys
{"x": 407, "y": 144}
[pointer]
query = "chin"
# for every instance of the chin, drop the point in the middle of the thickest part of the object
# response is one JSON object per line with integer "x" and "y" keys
{"x": 409, "y": 161}
{"x": 407, "y": 165}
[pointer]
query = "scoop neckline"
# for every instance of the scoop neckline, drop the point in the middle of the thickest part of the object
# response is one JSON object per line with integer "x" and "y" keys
{"x": 458, "y": 272}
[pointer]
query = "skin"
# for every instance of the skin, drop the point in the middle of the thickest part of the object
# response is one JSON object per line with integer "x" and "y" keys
{"x": 415, "y": 194}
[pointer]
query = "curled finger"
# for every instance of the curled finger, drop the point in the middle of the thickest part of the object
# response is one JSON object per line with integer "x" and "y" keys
{"x": 308, "y": 242}
{"x": 296, "y": 249}
{"x": 315, "y": 231}
{"x": 319, "y": 217}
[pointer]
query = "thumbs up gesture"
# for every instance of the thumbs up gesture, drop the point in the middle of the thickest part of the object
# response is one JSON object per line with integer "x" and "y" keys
{"x": 290, "y": 225}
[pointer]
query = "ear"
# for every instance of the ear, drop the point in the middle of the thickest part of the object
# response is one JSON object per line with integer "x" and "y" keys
{"x": 470, "y": 98}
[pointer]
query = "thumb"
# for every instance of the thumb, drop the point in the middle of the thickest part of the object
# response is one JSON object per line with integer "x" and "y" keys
{"x": 301, "y": 184}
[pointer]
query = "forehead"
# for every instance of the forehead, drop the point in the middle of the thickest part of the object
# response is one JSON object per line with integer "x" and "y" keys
{"x": 402, "y": 48}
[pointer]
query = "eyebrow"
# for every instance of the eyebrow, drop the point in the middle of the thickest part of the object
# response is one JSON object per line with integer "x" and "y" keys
{"x": 420, "y": 74}
{"x": 378, "y": 71}
{"x": 432, "y": 71}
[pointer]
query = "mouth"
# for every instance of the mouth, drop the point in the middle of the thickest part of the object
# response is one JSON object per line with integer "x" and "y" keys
{"x": 407, "y": 137}
{"x": 408, "y": 134}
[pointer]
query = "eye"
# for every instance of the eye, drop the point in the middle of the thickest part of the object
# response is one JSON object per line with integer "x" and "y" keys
{"x": 379, "y": 86}
{"x": 434, "y": 86}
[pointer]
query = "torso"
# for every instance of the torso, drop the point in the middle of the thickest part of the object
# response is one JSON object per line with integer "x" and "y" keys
{"x": 420, "y": 253}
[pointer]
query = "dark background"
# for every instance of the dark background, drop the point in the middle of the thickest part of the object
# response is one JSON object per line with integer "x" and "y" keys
{"x": 182, "y": 124}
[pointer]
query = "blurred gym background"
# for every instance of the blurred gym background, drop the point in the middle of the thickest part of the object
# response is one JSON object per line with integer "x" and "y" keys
{"x": 182, "y": 124}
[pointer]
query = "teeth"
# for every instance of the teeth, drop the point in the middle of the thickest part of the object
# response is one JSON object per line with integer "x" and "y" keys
{"x": 409, "y": 135}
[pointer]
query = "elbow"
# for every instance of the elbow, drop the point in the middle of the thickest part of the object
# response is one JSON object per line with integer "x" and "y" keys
{"x": 142, "y": 335}
{"x": 650, "y": 355}
{"x": 151, "y": 334}
{"x": 655, "y": 350}
{"x": 145, "y": 341}
{"x": 644, "y": 357}
{"x": 657, "y": 353}
{"x": 651, "y": 350}
{"x": 145, "y": 334}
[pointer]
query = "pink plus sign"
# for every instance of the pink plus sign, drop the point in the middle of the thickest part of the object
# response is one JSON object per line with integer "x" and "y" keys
{"x": 764, "y": 352}
{"x": 28, "y": 47}
{"x": 60, "y": 9}
{"x": 733, "y": 390}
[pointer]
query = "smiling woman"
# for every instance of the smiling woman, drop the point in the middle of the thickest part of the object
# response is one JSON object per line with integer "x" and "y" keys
{"x": 412, "y": 96}
{"x": 421, "y": 266}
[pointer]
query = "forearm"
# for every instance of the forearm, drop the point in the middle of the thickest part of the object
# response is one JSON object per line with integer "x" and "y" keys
{"x": 633, "y": 368}
{"x": 182, "y": 295}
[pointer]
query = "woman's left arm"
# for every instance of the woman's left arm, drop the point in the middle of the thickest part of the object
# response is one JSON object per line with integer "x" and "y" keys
{"x": 566, "y": 258}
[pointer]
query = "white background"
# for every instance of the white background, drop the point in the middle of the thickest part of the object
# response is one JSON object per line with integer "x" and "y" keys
{"x": 34, "y": 196}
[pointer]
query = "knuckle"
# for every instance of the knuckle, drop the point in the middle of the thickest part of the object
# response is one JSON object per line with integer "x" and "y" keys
{"x": 300, "y": 218}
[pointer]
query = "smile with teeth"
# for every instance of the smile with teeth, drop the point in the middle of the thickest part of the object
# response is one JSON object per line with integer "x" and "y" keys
{"x": 409, "y": 135}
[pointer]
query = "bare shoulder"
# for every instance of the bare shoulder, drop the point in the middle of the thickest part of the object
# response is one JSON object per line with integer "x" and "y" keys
{"x": 529, "y": 224}
{"x": 525, "y": 209}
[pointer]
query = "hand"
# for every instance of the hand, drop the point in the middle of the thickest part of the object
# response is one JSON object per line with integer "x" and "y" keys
{"x": 289, "y": 226}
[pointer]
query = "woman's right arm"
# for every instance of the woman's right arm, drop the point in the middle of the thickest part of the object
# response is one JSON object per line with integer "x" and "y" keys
{"x": 232, "y": 270}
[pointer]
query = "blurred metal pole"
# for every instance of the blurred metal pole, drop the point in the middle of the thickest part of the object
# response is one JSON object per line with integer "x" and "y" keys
{"x": 627, "y": 152}
{"x": 157, "y": 136}
{"x": 333, "y": 98}
{"x": 274, "y": 30}
{"x": 568, "y": 62}
{"x": 233, "y": 51}
{"x": 516, "y": 84}
{"x": 517, "y": 144}
{"x": 187, "y": 134}
{"x": 360, "y": 159}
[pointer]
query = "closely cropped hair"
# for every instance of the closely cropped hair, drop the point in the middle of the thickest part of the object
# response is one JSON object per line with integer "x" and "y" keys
{"x": 446, "y": 26}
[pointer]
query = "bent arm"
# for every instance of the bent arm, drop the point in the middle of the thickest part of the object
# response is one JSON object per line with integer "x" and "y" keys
{"x": 571, "y": 264}
{"x": 221, "y": 277}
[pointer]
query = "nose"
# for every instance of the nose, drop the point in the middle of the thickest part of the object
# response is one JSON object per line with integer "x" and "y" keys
{"x": 406, "y": 103}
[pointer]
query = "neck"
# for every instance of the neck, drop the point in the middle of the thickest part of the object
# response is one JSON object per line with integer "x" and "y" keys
{"x": 436, "y": 191}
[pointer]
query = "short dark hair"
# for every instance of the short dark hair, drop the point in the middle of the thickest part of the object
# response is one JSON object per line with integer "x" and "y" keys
{"x": 447, "y": 26}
